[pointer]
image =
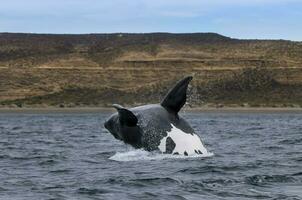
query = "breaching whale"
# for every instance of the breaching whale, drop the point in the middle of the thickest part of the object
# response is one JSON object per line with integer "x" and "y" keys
{"x": 157, "y": 126}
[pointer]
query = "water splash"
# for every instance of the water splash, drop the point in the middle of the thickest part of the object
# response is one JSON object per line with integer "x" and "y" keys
{"x": 141, "y": 155}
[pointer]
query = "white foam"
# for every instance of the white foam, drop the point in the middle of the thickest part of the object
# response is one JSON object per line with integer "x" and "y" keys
{"x": 141, "y": 155}
{"x": 184, "y": 142}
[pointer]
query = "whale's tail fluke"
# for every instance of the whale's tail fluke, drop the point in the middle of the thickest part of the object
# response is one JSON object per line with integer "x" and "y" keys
{"x": 176, "y": 97}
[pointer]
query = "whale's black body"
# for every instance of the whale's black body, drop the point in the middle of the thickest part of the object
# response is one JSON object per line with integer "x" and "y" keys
{"x": 148, "y": 126}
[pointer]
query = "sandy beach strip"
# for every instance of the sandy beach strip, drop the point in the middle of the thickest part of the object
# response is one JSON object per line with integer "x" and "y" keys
{"x": 71, "y": 110}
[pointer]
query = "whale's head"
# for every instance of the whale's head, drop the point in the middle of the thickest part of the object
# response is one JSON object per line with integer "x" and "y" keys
{"x": 113, "y": 126}
{"x": 123, "y": 126}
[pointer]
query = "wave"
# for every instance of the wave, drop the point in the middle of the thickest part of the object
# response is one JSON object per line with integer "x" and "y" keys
{"x": 142, "y": 155}
{"x": 266, "y": 179}
{"x": 91, "y": 191}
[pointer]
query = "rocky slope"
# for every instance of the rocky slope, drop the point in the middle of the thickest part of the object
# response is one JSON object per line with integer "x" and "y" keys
{"x": 99, "y": 69}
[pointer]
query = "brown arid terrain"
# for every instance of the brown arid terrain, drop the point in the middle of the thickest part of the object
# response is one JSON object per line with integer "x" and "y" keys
{"x": 41, "y": 70}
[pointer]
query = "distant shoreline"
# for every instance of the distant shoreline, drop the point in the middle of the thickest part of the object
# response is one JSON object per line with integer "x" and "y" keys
{"x": 197, "y": 109}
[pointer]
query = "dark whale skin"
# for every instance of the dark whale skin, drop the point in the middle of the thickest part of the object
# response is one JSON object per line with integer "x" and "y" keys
{"x": 157, "y": 126}
{"x": 154, "y": 121}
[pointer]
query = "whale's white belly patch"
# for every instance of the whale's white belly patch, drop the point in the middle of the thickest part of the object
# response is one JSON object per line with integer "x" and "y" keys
{"x": 184, "y": 142}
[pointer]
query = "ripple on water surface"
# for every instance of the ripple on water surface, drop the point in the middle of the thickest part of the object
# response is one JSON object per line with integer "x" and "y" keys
{"x": 71, "y": 156}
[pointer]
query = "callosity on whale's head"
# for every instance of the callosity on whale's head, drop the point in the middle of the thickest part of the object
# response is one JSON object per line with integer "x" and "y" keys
{"x": 157, "y": 126}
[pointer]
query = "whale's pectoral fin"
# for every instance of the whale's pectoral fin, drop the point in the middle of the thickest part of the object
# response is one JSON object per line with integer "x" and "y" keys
{"x": 176, "y": 97}
{"x": 126, "y": 117}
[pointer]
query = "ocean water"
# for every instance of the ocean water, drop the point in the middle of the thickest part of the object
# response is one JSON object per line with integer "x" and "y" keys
{"x": 71, "y": 156}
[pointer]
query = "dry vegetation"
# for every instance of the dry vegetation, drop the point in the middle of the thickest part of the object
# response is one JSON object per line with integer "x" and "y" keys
{"x": 98, "y": 69}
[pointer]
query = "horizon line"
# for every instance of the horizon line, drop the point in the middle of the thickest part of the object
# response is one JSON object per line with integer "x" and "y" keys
{"x": 156, "y": 32}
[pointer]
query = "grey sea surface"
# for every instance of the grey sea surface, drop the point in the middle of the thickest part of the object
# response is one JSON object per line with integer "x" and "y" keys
{"x": 72, "y": 156}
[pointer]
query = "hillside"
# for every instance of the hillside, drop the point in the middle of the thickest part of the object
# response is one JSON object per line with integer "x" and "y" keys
{"x": 101, "y": 69}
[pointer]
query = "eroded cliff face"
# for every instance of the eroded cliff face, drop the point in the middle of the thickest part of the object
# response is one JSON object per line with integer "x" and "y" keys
{"x": 98, "y": 69}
